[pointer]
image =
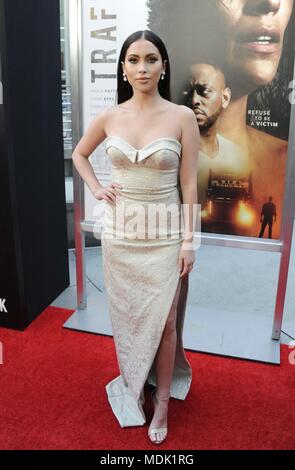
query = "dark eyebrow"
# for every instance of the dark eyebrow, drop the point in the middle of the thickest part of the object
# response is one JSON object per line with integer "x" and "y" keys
{"x": 147, "y": 55}
{"x": 202, "y": 84}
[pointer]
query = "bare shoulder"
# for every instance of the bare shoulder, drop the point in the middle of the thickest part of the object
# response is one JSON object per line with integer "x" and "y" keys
{"x": 180, "y": 109}
{"x": 108, "y": 112}
{"x": 102, "y": 116}
{"x": 187, "y": 122}
{"x": 95, "y": 133}
{"x": 185, "y": 112}
{"x": 105, "y": 116}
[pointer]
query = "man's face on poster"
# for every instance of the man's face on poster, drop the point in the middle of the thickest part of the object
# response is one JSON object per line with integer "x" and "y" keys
{"x": 209, "y": 95}
{"x": 254, "y": 32}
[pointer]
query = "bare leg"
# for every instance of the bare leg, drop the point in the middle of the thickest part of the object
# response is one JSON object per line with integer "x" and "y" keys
{"x": 164, "y": 364}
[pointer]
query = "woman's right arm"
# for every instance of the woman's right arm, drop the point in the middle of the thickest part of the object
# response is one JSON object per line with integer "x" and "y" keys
{"x": 94, "y": 135}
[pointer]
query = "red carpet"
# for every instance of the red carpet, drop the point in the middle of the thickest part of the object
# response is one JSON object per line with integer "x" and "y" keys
{"x": 53, "y": 397}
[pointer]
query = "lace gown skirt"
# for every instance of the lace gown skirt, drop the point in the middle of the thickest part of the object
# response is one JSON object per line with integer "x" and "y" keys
{"x": 140, "y": 262}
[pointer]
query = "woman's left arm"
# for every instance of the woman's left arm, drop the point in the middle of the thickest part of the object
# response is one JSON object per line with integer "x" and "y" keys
{"x": 190, "y": 141}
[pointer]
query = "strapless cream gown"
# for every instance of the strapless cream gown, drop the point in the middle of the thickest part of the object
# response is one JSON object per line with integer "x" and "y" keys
{"x": 141, "y": 274}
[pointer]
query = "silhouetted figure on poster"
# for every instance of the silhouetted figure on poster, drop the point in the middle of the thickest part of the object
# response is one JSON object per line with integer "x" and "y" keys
{"x": 268, "y": 217}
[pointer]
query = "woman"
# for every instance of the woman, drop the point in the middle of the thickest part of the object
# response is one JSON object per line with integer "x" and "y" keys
{"x": 153, "y": 145}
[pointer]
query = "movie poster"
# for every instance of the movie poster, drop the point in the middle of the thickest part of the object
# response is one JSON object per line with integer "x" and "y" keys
{"x": 232, "y": 63}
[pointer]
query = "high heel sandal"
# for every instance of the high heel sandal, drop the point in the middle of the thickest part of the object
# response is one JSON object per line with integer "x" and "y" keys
{"x": 158, "y": 430}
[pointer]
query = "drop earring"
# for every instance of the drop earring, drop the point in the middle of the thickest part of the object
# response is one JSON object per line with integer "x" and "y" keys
{"x": 163, "y": 76}
{"x": 124, "y": 77}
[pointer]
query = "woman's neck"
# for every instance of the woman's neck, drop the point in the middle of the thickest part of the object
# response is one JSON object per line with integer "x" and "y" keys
{"x": 145, "y": 102}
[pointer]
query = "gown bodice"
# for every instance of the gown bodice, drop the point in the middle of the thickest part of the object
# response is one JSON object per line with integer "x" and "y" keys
{"x": 153, "y": 168}
{"x": 149, "y": 176}
{"x": 138, "y": 156}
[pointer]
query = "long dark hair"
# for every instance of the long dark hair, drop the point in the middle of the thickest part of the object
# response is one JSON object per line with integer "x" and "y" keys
{"x": 124, "y": 89}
